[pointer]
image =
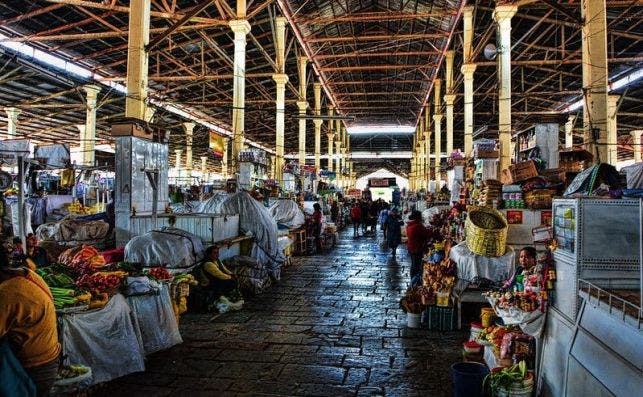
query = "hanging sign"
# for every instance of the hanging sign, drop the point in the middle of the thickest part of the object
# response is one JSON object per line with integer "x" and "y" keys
{"x": 379, "y": 182}
{"x": 217, "y": 143}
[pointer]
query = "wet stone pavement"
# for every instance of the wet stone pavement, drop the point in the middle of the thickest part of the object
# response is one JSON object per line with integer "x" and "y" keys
{"x": 331, "y": 327}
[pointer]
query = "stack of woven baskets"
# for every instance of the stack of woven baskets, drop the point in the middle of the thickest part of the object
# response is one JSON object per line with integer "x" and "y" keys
{"x": 491, "y": 190}
{"x": 486, "y": 231}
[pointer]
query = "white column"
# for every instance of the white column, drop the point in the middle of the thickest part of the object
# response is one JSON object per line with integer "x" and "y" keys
{"x": 502, "y": 15}
{"x": 137, "y": 65}
{"x": 177, "y": 161}
{"x": 437, "y": 126}
{"x": 189, "y": 128}
{"x": 612, "y": 130}
{"x": 88, "y": 144}
{"x": 449, "y": 98}
{"x": 225, "y": 170}
{"x": 82, "y": 136}
{"x": 331, "y": 139}
{"x": 426, "y": 171}
{"x": 636, "y": 144}
{"x": 318, "y": 124}
{"x": 281, "y": 80}
{"x": 569, "y": 131}
{"x": 241, "y": 28}
{"x": 467, "y": 71}
{"x": 338, "y": 156}
{"x": 595, "y": 68}
{"x": 467, "y": 33}
{"x": 204, "y": 168}
{"x": 12, "y": 121}
{"x": 302, "y": 104}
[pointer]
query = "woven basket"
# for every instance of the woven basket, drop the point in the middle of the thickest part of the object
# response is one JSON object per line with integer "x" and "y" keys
{"x": 486, "y": 231}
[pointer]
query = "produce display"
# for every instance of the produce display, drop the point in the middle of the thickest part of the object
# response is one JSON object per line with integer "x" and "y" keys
{"x": 412, "y": 300}
{"x": 527, "y": 301}
{"x": 501, "y": 380}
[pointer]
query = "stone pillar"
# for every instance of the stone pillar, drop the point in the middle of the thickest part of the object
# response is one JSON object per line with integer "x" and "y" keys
{"x": 241, "y": 28}
{"x": 467, "y": 33}
{"x": 569, "y": 131}
{"x": 338, "y": 159}
{"x": 88, "y": 143}
{"x": 318, "y": 124}
{"x": 189, "y": 129}
{"x": 12, "y": 122}
{"x": 281, "y": 80}
{"x": 137, "y": 56}
{"x": 302, "y": 104}
{"x": 149, "y": 113}
{"x": 82, "y": 137}
{"x": 426, "y": 176}
{"x": 331, "y": 140}
{"x": 595, "y": 68}
{"x": 449, "y": 98}
{"x": 437, "y": 126}
{"x": 467, "y": 71}
{"x": 612, "y": 131}
{"x": 177, "y": 161}
{"x": 636, "y": 144}
{"x": 204, "y": 168}
{"x": 502, "y": 15}
{"x": 225, "y": 170}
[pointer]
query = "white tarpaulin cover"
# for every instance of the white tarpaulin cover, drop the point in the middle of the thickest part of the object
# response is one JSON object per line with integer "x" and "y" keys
{"x": 27, "y": 218}
{"x": 287, "y": 212}
{"x": 104, "y": 340}
{"x": 154, "y": 318}
{"x": 256, "y": 220}
{"x": 212, "y": 205}
{"x": 73, "y": 230}
{"x": 634, "y": 176}
{"x": 472, "y": 267}
{"x": 169, "y": 247}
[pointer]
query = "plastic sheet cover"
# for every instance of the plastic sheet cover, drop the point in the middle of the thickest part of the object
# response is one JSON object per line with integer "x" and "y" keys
{"x": 634, "y": 176}
{"x": 154, "y": 318}
{"x": 104, "y": 340}
{"x": 73, "y": 230}
{"x": 212, "y": 205}
{"x": 14, "y": 218}
{"x": 169, "y": 247}
{"x": 288, "y": 213}
{"x": 472, "y": 267}
{"x": 255, "y": 219}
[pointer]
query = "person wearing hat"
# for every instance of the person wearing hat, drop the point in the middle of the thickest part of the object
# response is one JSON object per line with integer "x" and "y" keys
{"x": 28, "y": 322}
{"x": 417, "y": 236}
{"x": 393, "y": 231}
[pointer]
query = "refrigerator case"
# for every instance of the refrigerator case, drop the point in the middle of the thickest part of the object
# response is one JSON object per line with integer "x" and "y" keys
{"x": 598, "y": 241}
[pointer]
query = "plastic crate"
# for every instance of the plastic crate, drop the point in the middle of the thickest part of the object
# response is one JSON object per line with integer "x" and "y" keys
{"x": 439, "y": 318}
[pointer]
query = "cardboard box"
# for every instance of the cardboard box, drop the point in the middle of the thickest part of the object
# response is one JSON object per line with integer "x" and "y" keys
{"x": 131, "y": 129}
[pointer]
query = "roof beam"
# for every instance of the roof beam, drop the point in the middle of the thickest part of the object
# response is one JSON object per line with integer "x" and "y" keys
{"x": 375, "y": 67}
{"x": 374, "y": 16}
{"x": 124, "y": 9}
{"x": 186, "y": 18}
{"x": 382, "y": 37}
{"x": 360, "y": 54}
{"x": 555, "y": 6}
{"x": 383, "y": 81}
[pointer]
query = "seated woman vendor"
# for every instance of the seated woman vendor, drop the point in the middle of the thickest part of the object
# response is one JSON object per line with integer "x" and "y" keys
{"x": 27, "y": 328}
{"x": 526, "y": 263}
{"x": 215, "y": 280}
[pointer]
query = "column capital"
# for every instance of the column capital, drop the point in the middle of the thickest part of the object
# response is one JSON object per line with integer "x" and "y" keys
{"x": 468, "y": 69}
{"x": 281, "y": 21}
{"x": 302, "y": 105}
{"x": 92, "y": 92}
{"x": 612, "y": 99}
{"x": 188, "y": 127}
{"x": 331, "y": 136}
{"x": 176, "y": 151}
{"x": 318, "y": 123}
{"x": 449, "y": 99}
{"x": 81, "y": 128}
{"x": 437, "y": 118}
{"x": 240, "y": 26}
{"x": 302, "y": 59}
{"x": 317, "y": 86}
{"x": 12, "y": 112}
{"x": 280, "y": 78}
{"x": 467, "y": 11}
{"x": 503, "y": 13}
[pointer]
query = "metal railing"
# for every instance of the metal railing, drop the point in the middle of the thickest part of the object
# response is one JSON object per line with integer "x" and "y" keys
{"x": 615, "y": 304}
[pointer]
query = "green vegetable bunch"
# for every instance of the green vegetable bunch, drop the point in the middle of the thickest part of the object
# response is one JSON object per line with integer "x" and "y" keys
{"x": 505, "y": 378}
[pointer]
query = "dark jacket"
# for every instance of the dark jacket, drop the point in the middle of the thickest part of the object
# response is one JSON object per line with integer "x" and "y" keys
{"x": 393, "y": 230}
{"x": 417, "y": 236}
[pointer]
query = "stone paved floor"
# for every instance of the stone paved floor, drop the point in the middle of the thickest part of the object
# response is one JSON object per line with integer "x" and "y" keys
{"x": 332, "y": 327}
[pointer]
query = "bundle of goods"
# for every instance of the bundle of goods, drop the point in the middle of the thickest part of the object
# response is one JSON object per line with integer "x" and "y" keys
{"x": 486, "y": 231}
{"x": 456, "y": 159}
{"x": 412, "y": 301}
{"x": 485, "y": 148}
{"x": 539, "y": 198}
{"x": 438, "y": 279}
{"x": 254, "y": 156}
{"x": 518, "y": 307}
{"x": 512, "y": 196}
{"x": 491, "y": 190}
{"x": 518, "y": 346}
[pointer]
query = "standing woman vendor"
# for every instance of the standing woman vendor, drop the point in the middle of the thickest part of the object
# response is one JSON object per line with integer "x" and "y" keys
{"x": 28, "y": 322}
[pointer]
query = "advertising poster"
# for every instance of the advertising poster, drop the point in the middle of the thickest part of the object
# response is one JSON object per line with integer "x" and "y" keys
{"x": 217, "y": 143}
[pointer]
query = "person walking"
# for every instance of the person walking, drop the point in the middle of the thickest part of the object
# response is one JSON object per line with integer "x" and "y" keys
{"x": 417, "y": 236}
{"x": 393, "y": 231}
{"x": 317, "y": 226}
{"x": 383, "y": 217}
{"x": 356, "y": 216}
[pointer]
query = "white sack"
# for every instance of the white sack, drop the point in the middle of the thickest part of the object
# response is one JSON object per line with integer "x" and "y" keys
{"x": 104, "y": 340}
{"x": 168, "y": 247}
{"x": 287, "y": 212}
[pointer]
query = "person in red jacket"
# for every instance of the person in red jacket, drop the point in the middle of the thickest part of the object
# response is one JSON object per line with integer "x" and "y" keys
{"x": 417, "y": 236}
{"x": 356, "y": 216}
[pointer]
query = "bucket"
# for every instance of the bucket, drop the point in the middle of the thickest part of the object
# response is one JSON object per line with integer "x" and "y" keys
{"x": 516, "y": 391}
{"x": 413, "y": 320}
{"x": 487, "y": 314}
{"x": 476, "y": 328}
{"x": 442, "y": 299}
{"x": 467, "y": 379}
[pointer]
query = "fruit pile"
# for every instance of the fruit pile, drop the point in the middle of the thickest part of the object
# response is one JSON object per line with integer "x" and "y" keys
{"x": 527, "y": 301}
